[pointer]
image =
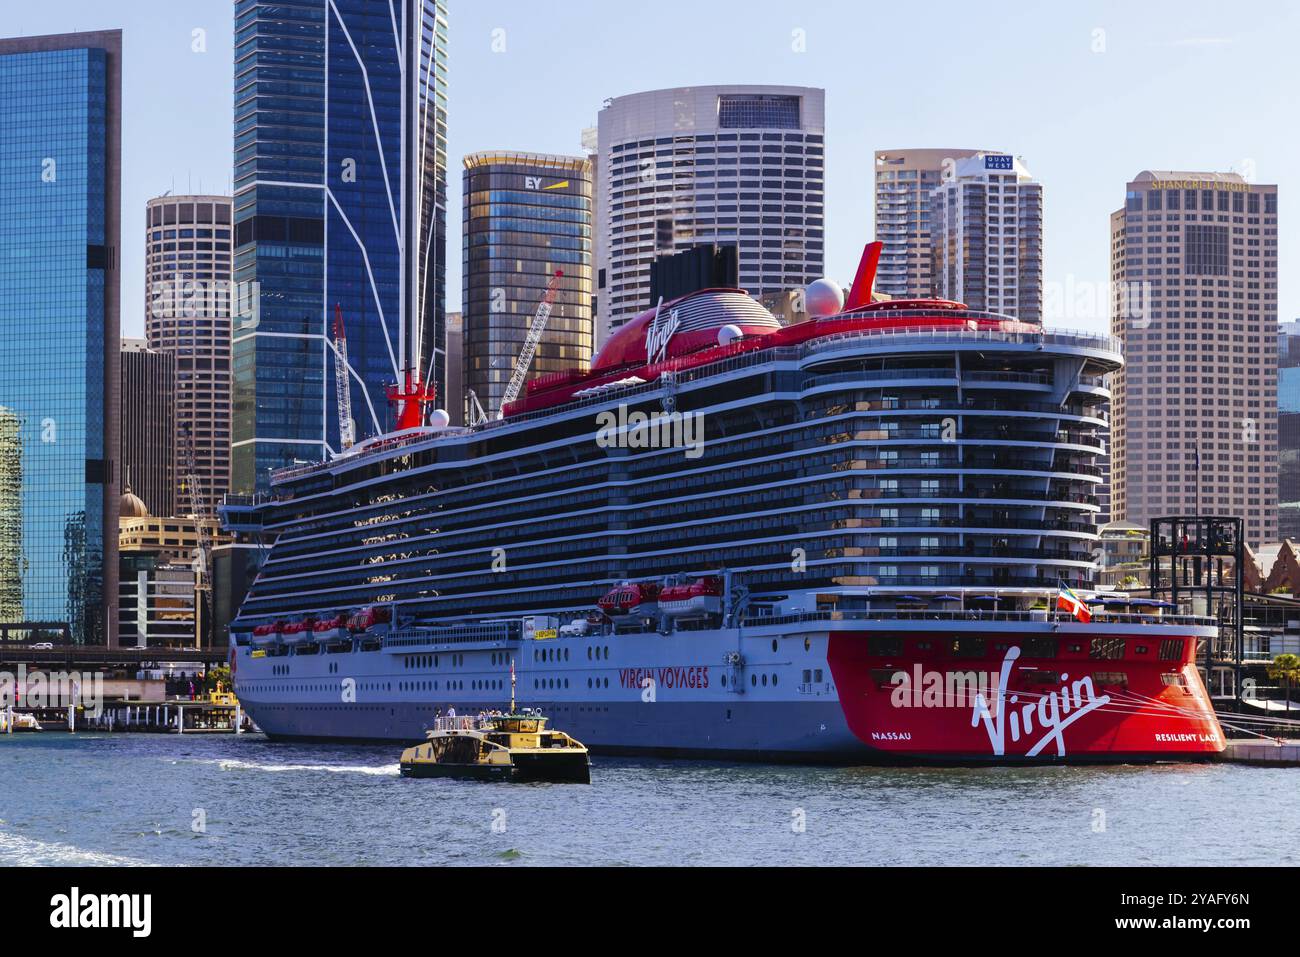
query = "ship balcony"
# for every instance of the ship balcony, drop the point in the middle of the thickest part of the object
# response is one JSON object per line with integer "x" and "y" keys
{"x": 1059, "y": 499}
{"x": 962, "y": 552}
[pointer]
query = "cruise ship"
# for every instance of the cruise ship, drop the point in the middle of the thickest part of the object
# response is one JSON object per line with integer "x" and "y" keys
{"x": 867, "y": 537}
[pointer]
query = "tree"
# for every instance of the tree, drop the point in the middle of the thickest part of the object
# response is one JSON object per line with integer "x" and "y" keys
{"x": 1285, "y": 668}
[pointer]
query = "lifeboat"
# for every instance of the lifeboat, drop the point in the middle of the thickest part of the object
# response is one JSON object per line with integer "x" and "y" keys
{"x": 330, "y": 629}
{"x": 368, "y": 618}
{"x": 631, "y": 598}
{"x": 297, "y": 632}
{"x": 691, "y": 599}
{"x": 265, "y": 635}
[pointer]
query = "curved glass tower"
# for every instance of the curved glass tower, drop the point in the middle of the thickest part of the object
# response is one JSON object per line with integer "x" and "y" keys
{"x": 340, "y": 201}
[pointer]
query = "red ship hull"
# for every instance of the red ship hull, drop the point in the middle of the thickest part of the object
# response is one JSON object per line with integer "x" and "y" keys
{"x": 1001, "y": 697}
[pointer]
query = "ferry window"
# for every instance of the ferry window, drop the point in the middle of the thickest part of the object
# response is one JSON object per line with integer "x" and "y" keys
{"x": 764, "y": 681}
{"x": 753, "y": 681}
{"x": 774, "y": 677}
{"x": 774, "y": 644}
{"x": 1171, "y": 649}
{"x": 588, "y": 653}
{"x": 724, "y": 681}
{"x": 807, "y": 676}
{"x": 807, "y": 644}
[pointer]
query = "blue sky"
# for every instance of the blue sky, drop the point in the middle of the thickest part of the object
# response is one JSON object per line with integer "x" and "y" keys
{"x": 1189, "y": 85}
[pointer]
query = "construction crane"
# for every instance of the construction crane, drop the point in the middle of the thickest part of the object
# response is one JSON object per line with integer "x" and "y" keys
{"x": 203, "y": 520}
{"x": 477, "y": 415}
{"x": 516, "y": 383}
{"x": 342, "y": 388}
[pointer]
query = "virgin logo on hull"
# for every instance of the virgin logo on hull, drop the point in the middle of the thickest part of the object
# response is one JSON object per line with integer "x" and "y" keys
{"x": 1048, "y": 717}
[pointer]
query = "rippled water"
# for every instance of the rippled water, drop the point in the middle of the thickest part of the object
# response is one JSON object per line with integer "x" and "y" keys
{"x": 133, "y": 799}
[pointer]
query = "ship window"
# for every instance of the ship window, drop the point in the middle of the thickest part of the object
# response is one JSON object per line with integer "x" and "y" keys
{"x": 884, "y": 647}
{"x": 807, "y": 644}
{"x": 817, "y": 675}
{"x": 807, "y": 676}
{"x": 1040, "y": 648}
{"x": 1111, "y": 679}
{"x": 1109, "y": 649}
{"x": 774, "y": 645}
{"x": 753, "y": 681}
{"x": 1171, "y": 649}
{"x": 764, "y": 681}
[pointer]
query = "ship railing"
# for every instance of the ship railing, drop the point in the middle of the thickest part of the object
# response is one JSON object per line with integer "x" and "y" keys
{"x": 1053, "y": 617}
{"x": 479, "y": 633}
{"x": 1075, "y": 338}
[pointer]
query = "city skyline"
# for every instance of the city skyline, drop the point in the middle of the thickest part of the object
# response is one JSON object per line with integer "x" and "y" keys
{"x": 177, "y": 132}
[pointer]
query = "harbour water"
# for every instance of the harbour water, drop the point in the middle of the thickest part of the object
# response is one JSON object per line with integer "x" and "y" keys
{"x": 162, "y": 800}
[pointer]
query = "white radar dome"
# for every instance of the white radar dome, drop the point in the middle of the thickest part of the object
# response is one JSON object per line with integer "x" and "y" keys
{"x": 439, "y": 419}
{"x": 824, "y": 298}
{"x": 729, "y": 334}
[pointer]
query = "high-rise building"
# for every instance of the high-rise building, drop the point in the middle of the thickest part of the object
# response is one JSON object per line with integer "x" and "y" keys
{"x": 188, "y": 303}
{"x": 456, "y": 366}
{"x": 732, "y": 165}
{"x": 11, "y": 517}
{"x": 986, "y": 237}
{"x": 1194, "y": 277}
{"x": 905, "y": 180}
{"x": 527, "y": 216}
{"x": 1288, "y": 431}
{"x": 60, "y": 148}
{"x": 148, "y": 455}
{"x": 340, "y": 201}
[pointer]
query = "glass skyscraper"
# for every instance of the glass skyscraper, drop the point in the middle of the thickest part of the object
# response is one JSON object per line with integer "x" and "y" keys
{"x": 60, "y": 109}
{"x": 526, "y": 216}
{"x": 340, "y": 202}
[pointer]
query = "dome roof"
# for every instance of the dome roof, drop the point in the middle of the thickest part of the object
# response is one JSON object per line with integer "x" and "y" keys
{"x": 131, "y": 505}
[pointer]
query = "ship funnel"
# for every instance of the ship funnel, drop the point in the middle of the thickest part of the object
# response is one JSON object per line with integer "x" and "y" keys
{"x": 860, "y": 294}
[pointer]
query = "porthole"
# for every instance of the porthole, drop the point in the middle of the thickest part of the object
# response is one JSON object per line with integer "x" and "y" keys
{"x": 753, "y": 681}
{"x": 774, "y": 644}
{"x": 807, "y": 644}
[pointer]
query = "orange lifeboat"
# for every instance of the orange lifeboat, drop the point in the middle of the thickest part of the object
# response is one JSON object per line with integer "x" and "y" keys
{"x": 689, "y": 599}
{"x": 630, "y": 598}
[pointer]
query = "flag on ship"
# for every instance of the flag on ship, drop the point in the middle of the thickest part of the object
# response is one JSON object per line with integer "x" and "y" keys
{"x": 1067, "y": 600}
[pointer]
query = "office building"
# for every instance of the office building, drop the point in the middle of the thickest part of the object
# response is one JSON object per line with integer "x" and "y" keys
{"x": 527, "y": 216}
{"x": 986, "y": 237}
{"x": 148, "y": 454}
{"x": 731, "y": 165}
{"x": 188, "y": 303}
{"x": 60, "y": 146}
{"x": 1194, "y": 415}
{"x": 905, "y": 181}
{"x": 340, "y": 202}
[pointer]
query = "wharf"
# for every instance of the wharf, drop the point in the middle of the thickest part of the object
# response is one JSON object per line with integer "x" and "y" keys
{"x": 178, "y": 716}
{"x": 1269, "y": 753}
